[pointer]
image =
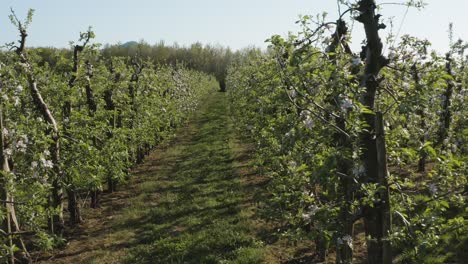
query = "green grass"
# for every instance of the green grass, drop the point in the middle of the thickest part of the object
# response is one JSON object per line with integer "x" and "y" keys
{"x": 191, "y": 211}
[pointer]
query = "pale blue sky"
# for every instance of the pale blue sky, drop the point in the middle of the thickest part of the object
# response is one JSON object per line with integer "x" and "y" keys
{"x": 237, "y": 24}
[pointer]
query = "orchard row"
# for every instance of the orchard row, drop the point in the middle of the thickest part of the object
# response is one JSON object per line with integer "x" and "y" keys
{"x": 355, "y": 142}
{"x": 73, "y": 130}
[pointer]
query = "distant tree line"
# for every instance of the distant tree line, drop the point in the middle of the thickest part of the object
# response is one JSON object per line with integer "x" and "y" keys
{"x": 211, "y": 59}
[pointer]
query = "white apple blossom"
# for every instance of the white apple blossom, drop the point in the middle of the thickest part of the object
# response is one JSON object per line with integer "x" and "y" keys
{"x": 46, "y": 163}
{"x": 346, "y": 104}
{"x": 21, "y": 146}
{"x": 406, "y": 86}
{"x": 7, "y": 152}
{"x": 308, "y": 122}
{"x": 19, "y": 89}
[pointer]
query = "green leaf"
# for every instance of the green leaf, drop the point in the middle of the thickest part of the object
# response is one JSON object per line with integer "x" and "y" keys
{"x": 444, "y": 204}
{"x": 365, "y": 110}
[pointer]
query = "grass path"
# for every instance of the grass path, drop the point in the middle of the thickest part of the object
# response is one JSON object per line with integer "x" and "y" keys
{"x": 190, "y": 202}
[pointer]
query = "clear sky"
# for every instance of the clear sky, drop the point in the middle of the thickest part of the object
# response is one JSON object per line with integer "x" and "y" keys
{"x": 234, "y": 23}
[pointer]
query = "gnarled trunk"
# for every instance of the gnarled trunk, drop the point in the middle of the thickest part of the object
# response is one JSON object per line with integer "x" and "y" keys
{"x": 446, "y": 117}
{"x": 56, "y": 222}
{"x": 420, "y": 112}
{"x": 375, "y": 215}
